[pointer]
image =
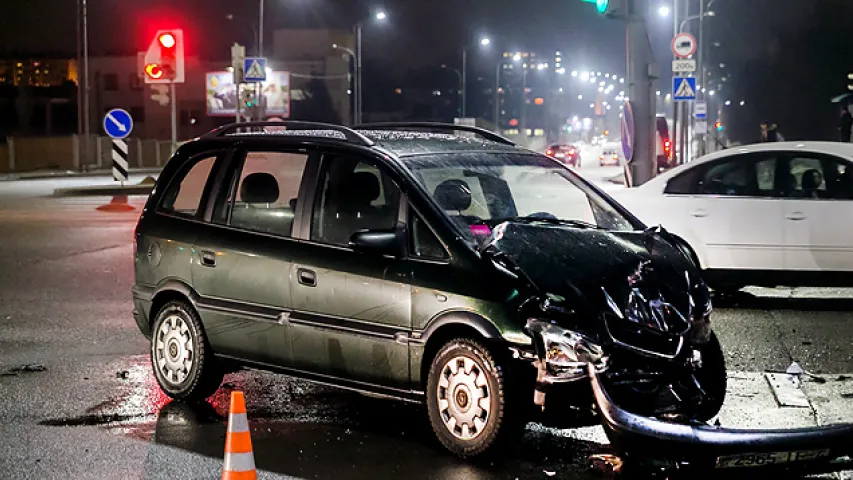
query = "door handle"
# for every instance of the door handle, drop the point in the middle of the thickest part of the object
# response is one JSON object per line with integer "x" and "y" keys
{"x": 208, "y": 258}
{"x": 701, "y": 212}
{"x": 307, "y": 277}
{"x": 796, "y": 216}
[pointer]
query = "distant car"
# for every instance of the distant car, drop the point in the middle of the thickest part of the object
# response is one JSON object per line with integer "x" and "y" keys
{"x": 608, "y": 156}
{"x": 663, "y": 145}
{"x": 568, "y": 154}
{"x": 767, "y": 214}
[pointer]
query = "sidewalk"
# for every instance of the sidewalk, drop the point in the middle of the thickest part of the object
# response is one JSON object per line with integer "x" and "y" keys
{"x": 57, "y": 173}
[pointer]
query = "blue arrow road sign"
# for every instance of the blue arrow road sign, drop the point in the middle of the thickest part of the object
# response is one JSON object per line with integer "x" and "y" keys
{"x": 118, "y": 123}
{"x": 255, "y": 69}
{"x": 684, "y": 89}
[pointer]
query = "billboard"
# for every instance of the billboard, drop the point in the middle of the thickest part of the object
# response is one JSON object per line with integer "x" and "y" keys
{"x": 221, "y": 96}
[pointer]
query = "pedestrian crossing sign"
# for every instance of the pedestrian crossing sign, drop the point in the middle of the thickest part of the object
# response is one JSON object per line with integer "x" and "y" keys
{"x": 255, "y": 69}
{"x": 684, "y": 89}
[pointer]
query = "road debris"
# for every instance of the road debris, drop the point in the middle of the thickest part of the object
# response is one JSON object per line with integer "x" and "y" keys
{"x": 605, "y": 464}
{"x": 122, "y": 374}
{"x": 28, "y": 368}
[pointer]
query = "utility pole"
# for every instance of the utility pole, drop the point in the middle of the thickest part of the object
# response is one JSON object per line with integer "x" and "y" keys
{"x": 465, "y": 81}
{"x": 675, "y": 105}
{"x": 640, "y": 66}
{"x": 86, "y": 113}
{"x": 358, "y": 97}
{"x": 496, "y": 114}
{"x": 702, "y": 88}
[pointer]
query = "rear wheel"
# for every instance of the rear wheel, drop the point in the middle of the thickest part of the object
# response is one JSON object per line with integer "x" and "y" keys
{"x": 470, "y": 407}
{"x": 181, "y": 358}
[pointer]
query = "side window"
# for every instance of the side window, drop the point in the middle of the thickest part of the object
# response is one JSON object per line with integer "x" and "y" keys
{"x": 839, "y": 180}
{"x": 740, "y": 177}
{"x": 806, "y": 178}
{"x": 424, "y": 242}
{"x": 184, "y": 194}
{"x": 683, "y": 184}
{"x": 264, "y": 197}
{"x": 352, "y": 196}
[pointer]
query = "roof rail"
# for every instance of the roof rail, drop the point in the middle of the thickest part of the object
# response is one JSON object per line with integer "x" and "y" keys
{"x": 349, "y": 134}
{"x": 435, "y": 126}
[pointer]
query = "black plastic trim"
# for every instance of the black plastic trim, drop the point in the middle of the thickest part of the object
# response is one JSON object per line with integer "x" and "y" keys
{"x": 484, "y": 327}
{"x": 414, "y": 396}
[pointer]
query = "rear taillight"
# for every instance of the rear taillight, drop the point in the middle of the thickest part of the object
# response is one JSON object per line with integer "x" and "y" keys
{"x": 667, "y": 148}
{"x": 549, "y": 152}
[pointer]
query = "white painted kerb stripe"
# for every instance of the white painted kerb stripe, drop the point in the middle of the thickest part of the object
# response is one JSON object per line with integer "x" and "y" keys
{"x": 237, "y": 422}
{"x": 239, "y": 462}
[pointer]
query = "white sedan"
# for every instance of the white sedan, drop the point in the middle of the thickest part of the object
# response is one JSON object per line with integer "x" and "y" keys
{"x": 766, "y": 214}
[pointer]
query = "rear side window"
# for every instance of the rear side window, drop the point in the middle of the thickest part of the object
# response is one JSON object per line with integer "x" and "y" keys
{"x": 266, "y": 192}
{"x": 683, "y": 184}
{"x": 185, "y": 192}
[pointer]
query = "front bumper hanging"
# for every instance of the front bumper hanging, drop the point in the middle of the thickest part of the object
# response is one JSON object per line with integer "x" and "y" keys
{"x": 651, "y": 441}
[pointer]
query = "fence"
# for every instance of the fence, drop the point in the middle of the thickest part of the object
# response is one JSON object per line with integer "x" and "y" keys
{"x": 26, "y": 154}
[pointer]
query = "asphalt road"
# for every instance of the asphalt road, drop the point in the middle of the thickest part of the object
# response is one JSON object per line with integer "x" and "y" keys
{"x": 94, "y": 411}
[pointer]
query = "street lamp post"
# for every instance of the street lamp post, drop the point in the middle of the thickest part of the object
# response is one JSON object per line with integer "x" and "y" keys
{"x": 83, "y": 80}
{"x": 484, "y": 41}
{"x": 352, "y": 78}
{"x": 461, "y": 86}
{"x": 359, "y": 105}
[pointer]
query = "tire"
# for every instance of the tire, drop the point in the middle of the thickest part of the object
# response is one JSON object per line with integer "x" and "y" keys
{"x": 181, "y": 357}
{"x": 504, "y": 419}
{"x": 712, "y": 377}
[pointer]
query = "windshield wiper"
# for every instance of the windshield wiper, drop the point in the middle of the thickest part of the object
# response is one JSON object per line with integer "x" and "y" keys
{"x": 549, "y": 219}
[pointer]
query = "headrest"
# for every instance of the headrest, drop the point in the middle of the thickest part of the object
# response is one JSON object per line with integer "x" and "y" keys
{"x": 259, "y": 187}
{"x": 453, "y": 195}
{"x": 361, "y": 188}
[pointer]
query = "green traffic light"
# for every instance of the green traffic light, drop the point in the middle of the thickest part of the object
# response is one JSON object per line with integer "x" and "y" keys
{"x": 600, "y": 5}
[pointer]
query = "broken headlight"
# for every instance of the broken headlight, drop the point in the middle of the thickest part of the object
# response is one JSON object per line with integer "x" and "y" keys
{"x": 564, "y": 353}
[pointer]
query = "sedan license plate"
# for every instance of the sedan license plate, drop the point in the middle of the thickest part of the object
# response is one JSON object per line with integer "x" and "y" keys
{"x": 772, "y": 458}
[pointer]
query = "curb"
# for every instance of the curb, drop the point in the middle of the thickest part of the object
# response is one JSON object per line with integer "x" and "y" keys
{"x": 102, "y": 191}
{"x": 11, "y": 177}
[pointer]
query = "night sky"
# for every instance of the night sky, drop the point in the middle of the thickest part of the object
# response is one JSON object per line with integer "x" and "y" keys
{"x": 786, "y": 58}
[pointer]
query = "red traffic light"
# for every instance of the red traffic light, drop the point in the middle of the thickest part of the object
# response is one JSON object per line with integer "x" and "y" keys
{"x": 167, "y": 40}
{"x": 154, "y": 71}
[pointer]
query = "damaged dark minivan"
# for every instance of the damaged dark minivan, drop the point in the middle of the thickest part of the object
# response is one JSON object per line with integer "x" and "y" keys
{"x": 436, "y": 264}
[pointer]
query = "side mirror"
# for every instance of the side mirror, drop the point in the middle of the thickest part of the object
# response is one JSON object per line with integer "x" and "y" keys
{"x": 378, "y": 242}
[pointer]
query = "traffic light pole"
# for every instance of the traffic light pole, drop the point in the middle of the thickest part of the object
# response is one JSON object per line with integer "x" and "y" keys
{"x": 175, "y": 118}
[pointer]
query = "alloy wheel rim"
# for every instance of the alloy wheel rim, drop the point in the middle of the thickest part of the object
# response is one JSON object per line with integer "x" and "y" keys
{"x": 174, "y": 351}
{"x": 464, "y": 398}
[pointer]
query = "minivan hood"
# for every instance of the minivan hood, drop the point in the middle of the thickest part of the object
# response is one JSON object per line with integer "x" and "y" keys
{"x": 594, "y": 271}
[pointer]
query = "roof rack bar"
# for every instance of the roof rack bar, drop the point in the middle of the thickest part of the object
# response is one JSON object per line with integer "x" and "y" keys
{"x": 435, "y": 126}
{"x": 349, "y": 134}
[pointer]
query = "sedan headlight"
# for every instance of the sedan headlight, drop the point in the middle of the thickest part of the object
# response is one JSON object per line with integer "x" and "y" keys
{"x": 565, "y": 352}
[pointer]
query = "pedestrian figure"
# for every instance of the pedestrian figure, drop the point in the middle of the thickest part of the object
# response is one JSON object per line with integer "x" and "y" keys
{"x": 770, "y": 133}
{"x": 845, "y": 124}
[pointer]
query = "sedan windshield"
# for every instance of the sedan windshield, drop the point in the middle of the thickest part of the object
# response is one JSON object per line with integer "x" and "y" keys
{"x": 480, "y": 190}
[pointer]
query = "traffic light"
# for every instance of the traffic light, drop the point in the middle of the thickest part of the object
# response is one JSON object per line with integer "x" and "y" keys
{"x": 164, "y": 60}
{"x": 718, "y": 125}
{"x": 604, "y": 7}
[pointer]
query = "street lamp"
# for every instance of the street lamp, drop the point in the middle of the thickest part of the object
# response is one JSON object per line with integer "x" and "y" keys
{"x": 484, "y": 41}
{"x": 663, "y": 11}
{"x": 379, "y": 16}
{"x": 695, "y": 17}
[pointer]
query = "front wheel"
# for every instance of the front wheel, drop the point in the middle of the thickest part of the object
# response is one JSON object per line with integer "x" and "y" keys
{"x": 467, "y": 399}
{"x": 182, "y": 360}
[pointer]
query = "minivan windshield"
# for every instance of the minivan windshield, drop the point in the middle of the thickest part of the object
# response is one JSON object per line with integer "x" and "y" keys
{"x": 480, "y": 190}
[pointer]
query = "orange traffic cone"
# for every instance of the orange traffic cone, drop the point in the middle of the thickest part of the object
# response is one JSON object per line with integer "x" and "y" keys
{"x": 117, "y": 204}
{"x": 239, "y": 459}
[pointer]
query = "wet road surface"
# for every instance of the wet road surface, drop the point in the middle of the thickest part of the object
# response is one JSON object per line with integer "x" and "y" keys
{"x": 94, "y": 410}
